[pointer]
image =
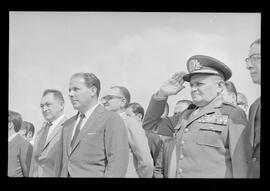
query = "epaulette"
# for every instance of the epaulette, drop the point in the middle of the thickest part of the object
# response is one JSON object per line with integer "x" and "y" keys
{"x": 228, "y": 103}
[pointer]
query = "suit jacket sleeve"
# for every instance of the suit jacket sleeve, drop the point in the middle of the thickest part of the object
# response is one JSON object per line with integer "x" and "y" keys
{"x": 139, "y": 146}
{"x": 116, "y": 147}
{"x": 153, "y": 121}
{"x": 159, "y": 168}
{"x": 237, "y": 133}
{"x": 25, "y": 157}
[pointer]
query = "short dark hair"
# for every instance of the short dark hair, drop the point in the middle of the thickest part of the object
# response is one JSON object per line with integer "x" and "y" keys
{"x": 29, "y": 127}
{"x": 125, "y": 93}
{"x": 56, "y": 93}
{"x": 90, "y": 80}
{"x": 258, "y": 41}
{"x": 16, "y": 119}
{"x": 137, "y": 108}
{"x": 231, "y": 88}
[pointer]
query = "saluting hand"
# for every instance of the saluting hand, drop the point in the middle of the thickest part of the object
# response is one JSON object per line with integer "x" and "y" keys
{"x": 173, "y": 85}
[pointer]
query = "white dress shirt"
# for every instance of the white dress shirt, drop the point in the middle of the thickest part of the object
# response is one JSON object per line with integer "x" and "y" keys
{"x": 87, "y": 115}
{"x": 54, "y": 124}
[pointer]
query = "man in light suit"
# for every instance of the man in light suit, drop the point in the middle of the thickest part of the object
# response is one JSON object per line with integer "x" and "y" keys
{"x": 253, "y": 64}
{"x": 94, "y": 141}
{"x": 46, "y": 157}
{"x": 117, "y": 99}
{"x": 19, "y": 149}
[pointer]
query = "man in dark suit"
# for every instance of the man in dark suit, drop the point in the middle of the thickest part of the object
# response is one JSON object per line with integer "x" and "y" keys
{"x": 253, "y": 64}
{"x": 94, "y": 141}
{"x": 210, "y": 135}
{"x": 46, "y": 160}
{"x": 19, "y": 149}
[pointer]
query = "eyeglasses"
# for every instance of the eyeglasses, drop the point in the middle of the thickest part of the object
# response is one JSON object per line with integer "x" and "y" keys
{"x": 109, "y": 97}
{"x": 253, "y": 58}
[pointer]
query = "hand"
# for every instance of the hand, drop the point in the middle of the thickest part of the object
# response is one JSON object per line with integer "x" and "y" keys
{"x": 173, "y": 85}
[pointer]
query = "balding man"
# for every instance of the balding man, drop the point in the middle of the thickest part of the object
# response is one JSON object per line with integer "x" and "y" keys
{"x": 209, "y": 134}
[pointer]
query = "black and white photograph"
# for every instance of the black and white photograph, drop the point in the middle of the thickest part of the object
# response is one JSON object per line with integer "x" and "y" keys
{"x": 108, "y": 94}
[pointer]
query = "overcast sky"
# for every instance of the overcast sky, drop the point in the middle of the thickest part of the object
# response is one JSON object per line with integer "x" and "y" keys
{"x": 138, "y": 50}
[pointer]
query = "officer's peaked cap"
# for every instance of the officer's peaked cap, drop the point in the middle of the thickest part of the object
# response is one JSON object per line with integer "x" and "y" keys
{"x": 201, "y": 64}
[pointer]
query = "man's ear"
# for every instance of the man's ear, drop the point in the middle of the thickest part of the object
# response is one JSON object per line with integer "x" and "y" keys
{"x": 10, "y": 125}
{"x": 221, "y": 87}
{"x": 93, "y": 90}
{"x": 139, "y": 115}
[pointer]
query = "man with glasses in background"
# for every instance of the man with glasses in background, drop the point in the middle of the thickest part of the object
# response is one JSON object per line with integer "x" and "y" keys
{"x": 117, "y": 99}
{"x": 253, "y": 64}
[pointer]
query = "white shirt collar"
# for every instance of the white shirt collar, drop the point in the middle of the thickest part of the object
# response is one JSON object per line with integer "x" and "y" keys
{"x": 55, "y": 123}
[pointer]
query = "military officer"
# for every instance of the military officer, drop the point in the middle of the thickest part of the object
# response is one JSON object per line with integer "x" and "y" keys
{"x": 209, "y": 133}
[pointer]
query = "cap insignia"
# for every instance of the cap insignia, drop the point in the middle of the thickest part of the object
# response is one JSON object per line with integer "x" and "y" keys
{"x": 194, "y": 64}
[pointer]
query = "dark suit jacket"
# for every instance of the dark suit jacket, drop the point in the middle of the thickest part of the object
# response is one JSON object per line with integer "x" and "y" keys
{"x": 49, "y": 161}
{"x": 19, "y": 157}
{"x": 164, "y": 158}
{"x": 101, "y": 148}
{"x": 253, "y": 142}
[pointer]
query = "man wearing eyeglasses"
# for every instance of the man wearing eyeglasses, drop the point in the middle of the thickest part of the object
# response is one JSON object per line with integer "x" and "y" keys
{"x": 94, "y": 141}
{"x": 117, "y": 99}
{"x": 253, "y": 64}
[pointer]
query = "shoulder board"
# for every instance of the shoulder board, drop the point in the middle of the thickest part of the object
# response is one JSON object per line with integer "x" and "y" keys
{"x": 230, "y": 104}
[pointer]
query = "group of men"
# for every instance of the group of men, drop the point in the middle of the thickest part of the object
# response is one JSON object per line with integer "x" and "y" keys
{"x": 206, "y": 138}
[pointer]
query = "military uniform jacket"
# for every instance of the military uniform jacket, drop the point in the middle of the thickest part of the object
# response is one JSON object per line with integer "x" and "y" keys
{"x": 253, "y": 141}
{"x": 210, "y": 143}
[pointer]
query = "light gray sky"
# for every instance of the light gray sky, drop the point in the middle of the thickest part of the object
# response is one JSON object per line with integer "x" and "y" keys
{"x": 139, "y": 50}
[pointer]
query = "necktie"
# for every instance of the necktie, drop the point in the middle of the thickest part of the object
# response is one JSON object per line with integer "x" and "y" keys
{"x": 42, "y": 139}
{"x": 77, "y": 130}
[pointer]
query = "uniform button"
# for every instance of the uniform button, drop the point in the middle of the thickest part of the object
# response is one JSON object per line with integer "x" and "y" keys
{"x": 186, "y": 130}
{"x": 181, "y": 156}
{"x": 182, "y": 142}
{"x": 254, "y": 159}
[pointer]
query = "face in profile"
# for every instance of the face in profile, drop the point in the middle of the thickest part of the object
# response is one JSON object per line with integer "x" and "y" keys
{"x": 130, "y": 113}
{"x": 80, "y": 95}
{"x": 229, "y": 97}
{"x": 113, "y": 100}
{"x": 253, "y": 63}
{"x": 51, "y": 107}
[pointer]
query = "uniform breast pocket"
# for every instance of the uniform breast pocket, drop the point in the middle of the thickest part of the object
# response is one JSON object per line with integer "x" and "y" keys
{"x": 210, "y": 135}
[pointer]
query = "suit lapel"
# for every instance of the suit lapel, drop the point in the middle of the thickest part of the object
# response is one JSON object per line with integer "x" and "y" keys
{"x": 88, "y": 125}
{"x": 54, "y": 132}
{"x": 253, "y": 112}
{"x": 69, "y": 130}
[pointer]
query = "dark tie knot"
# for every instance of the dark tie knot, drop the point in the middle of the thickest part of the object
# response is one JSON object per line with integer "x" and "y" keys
{"x": 48, "y": 124}
{"x": 82, "y": 116}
